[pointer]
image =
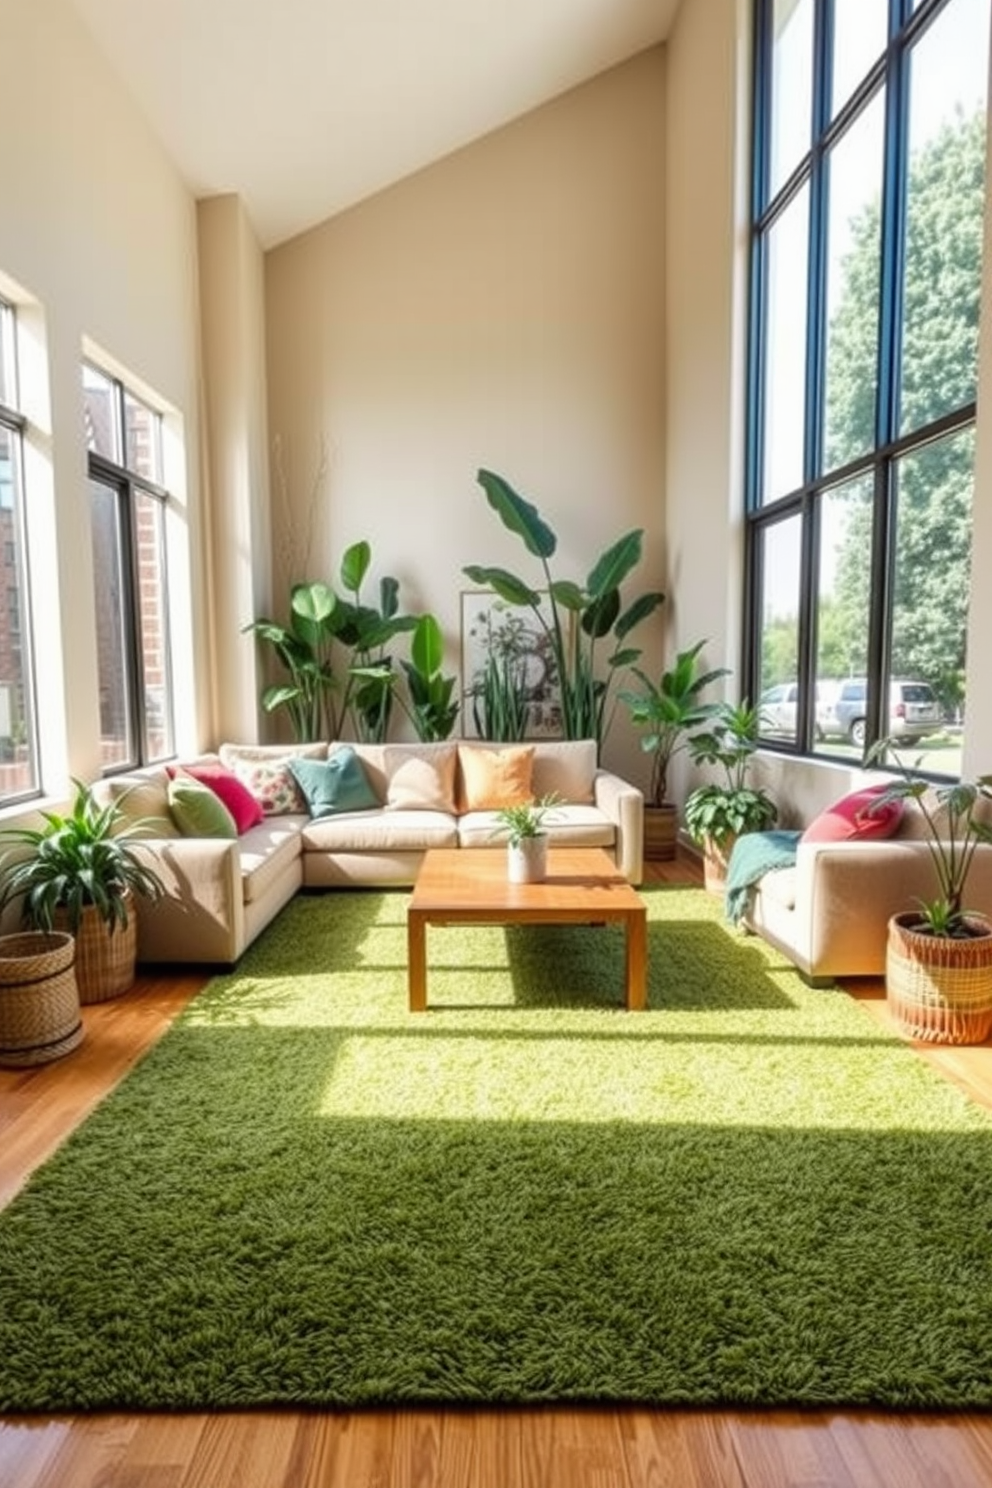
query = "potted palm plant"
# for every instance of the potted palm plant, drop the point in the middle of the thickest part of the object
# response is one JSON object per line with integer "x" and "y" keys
{"x": 938, "y": 962}
{"x": 669, "y": 711}
{"x": 79, "y": 873}
{"x": 720, "y": 811}
{"x": 527, "y": 841}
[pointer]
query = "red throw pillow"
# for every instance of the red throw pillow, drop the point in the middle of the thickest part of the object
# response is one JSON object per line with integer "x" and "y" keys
{"x": 850, "y": 818}
{"x": 238, "y": 799}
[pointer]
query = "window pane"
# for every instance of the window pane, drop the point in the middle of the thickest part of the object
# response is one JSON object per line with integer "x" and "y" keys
{"x": 860, "y": 28}
{"x": 150, "y": 538}
{"x": 144, "y": 445}
{"x": 944, "y": 213}
{"x": 100, "y": 411}
{"x": 785, "y": 367}
{"x": 116, "y": 743}
{"x": 780, "y": 549}
{"x": 18, "y": 734}
{"x": 843, "y": 600}
{"x": 934, "y": 492}
{"x": 853, "y": 277}
{"x": 792, "y": 88}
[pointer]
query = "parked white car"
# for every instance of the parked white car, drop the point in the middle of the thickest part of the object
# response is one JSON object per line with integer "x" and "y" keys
{"x": 914, "y": 711}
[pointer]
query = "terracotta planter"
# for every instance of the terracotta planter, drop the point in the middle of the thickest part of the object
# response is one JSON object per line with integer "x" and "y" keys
{"x": 715, "y": 860}
{"x": 527, "y": 860}
{"x": 661, "y": 825}
{"x": 939, "y": 989}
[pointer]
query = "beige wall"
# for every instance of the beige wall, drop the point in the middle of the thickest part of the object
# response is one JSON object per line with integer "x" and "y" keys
{"x": 233, "y": 337}
{"x": 97, "y": 235}
{"x": 503, "y": 308}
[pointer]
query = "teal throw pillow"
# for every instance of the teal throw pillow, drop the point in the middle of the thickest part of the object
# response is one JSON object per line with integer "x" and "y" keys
{"x": 335, "y": 784}
{"x": 198, "y": 811}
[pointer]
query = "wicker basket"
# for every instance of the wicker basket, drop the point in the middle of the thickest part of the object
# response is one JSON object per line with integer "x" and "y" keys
{"x": 939, "y": 989}
{"x": 105, "y": 959}
{"x": 39, "y": 999}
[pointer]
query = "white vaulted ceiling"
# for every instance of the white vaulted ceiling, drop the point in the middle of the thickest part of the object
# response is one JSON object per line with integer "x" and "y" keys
{"x": 304, "y": 107}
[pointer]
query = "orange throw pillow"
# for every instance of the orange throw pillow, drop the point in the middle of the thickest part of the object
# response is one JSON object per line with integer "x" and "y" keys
{"x": 491, "y": 778}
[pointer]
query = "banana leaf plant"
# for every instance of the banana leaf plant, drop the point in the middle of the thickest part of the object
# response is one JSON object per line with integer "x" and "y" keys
{"x": 582, "y": 615}
{"x": 432, "y": 709}
{"x": 366, "y": 632}
{"x": 303, "y": 648}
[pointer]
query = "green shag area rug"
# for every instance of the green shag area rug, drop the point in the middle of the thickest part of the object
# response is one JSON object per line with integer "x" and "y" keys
{"x": 305, "y": 1195}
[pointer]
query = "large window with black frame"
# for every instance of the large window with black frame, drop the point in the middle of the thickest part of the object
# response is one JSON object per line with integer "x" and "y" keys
{"x": 866, "y": 271}
{"x": 19, "y": 766}
{"x": 128, "y": 509}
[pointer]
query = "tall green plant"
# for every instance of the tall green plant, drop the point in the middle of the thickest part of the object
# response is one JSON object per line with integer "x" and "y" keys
{"x": 670, "y": 712}
{"x": 303, "y": 648}
{"x": 432, "y": 708}
{"x": 366, "y": 631}
{"x": 720, "y": 811}
{"x": 581, "y": 615}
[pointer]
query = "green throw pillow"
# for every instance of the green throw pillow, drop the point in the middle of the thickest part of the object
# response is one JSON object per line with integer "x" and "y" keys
{"x": 198, "y": 811}
{"x": 335, "y": 784}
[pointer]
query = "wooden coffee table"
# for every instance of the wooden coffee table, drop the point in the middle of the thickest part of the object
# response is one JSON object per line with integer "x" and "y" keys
{"x": 469, "y": 886}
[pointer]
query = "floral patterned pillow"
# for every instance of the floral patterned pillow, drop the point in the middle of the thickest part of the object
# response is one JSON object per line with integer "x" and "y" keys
{"x": 272, "y": 785}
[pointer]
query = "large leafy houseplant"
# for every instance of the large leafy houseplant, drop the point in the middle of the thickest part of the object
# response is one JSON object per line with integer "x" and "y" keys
{"x": 954, "y": 831}
{"x": 79, "y": 871}
{"x": 720, "y": 811}
{"x": 433, "y": 708}
{"x": 581, "y": 615}
{"x": 938, "y": 959}
{"x": 670, "y": 711}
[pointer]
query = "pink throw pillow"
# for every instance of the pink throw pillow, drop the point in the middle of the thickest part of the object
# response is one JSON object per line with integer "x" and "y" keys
{"x": 238, "y": 799}
{"x": 851, "y": 818}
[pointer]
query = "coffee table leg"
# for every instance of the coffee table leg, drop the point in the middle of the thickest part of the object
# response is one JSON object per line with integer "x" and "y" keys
{"x": 416, "y": 955}
{"x": 637, "y": 960}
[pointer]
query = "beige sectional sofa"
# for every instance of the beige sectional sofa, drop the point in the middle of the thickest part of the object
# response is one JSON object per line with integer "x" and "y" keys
{"x": 829, "y": 913}
{"x": 221, "y": 892}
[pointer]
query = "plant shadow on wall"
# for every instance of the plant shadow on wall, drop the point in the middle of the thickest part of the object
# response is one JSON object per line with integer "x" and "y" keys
{"x": 322, "y": 701}
{"x": 578, "y": 616}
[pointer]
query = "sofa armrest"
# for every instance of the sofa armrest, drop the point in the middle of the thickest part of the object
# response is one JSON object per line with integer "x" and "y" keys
{"x": 624, "y": 805}
{"x": 200, "y": 916}
{"x": 846, "y": 892}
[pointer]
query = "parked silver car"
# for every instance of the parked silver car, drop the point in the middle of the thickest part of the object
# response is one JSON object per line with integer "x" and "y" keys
{"x": 914, "y": 711}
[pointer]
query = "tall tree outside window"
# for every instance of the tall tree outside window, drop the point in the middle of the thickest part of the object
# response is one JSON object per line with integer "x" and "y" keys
{"x": 869, "y": 190}
{"x": 128, "y": 507}
{"x": 19, "y": 768}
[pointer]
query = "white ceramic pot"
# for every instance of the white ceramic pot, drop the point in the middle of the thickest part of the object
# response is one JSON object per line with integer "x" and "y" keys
{"x": 527, "y": 860}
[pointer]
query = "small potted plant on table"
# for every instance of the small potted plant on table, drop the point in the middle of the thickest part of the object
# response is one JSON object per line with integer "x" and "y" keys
{"x": 79, "y": 873}
{"x": 719, "y": 812}
{"x": 527, "y": 841}
{"x": 669, "y": 711}
{"x": 938, "y": 962}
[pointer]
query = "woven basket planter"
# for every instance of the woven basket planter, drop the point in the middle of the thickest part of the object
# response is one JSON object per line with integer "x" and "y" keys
{"x": 39, "y": 998}
{"x": 105, "y": 959}
{"x": 660, "y": 833}
{"x": 939, "y": 989}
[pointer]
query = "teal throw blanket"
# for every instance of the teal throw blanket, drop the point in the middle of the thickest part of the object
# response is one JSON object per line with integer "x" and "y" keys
{"x": 753, "y": 855}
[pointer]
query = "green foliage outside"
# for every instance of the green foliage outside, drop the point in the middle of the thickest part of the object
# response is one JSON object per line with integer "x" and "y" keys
{"x": 939, "y": 364}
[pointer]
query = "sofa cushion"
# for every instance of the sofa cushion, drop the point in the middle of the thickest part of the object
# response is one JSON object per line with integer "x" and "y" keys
{"x": 567, "y": 825}
{"x": 780, "y": 885}
{"x": 265, "y": 851}
{"x": 491, "y": 778}
{"x": 381, "y": 831}
{"x": 566, "y": 768}
{"x": 336, "y": 784}
{"x": 263, "y": 769}
{"x": 236, "y": 797}
{"x": 140, "y": 798}
{"x": 421, "y": 777}
{"x": 197, "y": 810}
{"x": 851, "y": 817}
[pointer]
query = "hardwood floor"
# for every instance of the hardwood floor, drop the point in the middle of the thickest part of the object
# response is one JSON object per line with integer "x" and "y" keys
{"x": 540, "y": 1448}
